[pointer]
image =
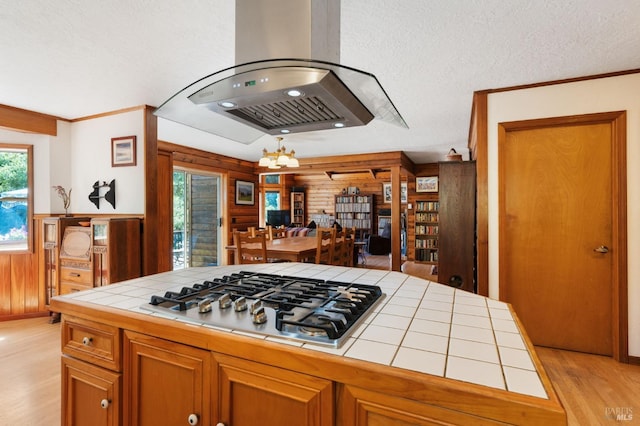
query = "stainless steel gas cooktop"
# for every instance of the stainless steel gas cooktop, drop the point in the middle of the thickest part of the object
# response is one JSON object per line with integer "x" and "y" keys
{"x": 302, "y": 309}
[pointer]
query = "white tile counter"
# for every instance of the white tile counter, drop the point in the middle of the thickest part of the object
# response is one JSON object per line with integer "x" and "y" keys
{"x": 420, "y": 325}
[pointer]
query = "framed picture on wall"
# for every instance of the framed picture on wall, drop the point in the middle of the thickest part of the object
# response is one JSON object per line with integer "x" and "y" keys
{"x": 386, "y": 192}
{"x": 427, "y": 184}
{"x": 123, "y": 151}
{"x": 245, "y": 193}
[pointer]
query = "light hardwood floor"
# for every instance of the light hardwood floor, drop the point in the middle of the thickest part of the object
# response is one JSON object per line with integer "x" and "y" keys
{"x": 590, "y": 386}
{"x": 30, "y": 372}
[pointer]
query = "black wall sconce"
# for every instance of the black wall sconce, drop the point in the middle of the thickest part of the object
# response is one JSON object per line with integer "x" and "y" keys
{"x": 110, "y": 195}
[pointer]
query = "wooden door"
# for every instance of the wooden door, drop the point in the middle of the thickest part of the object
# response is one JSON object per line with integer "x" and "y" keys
{"x": 561, "y": 199}
{"x": 165, "y": 383}
{"x": 257, "y": 394}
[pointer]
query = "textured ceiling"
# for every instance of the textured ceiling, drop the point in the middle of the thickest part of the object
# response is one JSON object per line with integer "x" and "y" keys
{"x": 74, "y": 58}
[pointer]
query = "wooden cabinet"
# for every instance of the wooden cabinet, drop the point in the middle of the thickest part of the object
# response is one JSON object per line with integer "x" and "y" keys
{"x": 427, "y": 231}
{"x": 165, "y": 383}
{"x": 181, "y": 380}
{"x": 91, "y": 395}
{"x": 252, "y": 393}
{"x": 52, "y": 233}
{"x": 364, "y": 407}
{"x": 75, "y": 260}
{"x": 148, "y": 373}
{"x": 355, "y": 211}
{"x": 298, "y": 217}
{"x": 116, "y": 250}
{"x": 91, "y": 385}
{"x": 456, "y": 251}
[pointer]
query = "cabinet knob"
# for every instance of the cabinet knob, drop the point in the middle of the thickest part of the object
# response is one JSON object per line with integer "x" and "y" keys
{"x": 104, "y": 403}
{"x": 87, "y": 340}
{"x": 601, "y": 249}
{"x": 220, "y": 424}
{"x": 193, "y": 419}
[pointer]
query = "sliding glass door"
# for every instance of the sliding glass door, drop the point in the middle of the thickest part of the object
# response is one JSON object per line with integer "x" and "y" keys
{"x": 196, "y": 219}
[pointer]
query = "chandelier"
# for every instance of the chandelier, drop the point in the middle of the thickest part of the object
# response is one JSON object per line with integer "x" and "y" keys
{"x": 279, "y": 158}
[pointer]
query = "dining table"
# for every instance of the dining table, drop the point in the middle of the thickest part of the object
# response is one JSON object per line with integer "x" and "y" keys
{"x": 293, "y": 249}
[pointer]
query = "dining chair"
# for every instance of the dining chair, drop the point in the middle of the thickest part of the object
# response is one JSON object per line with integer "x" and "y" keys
{"x": 349, "y": 246}
{"x": 250, "y": 248}
{"x": 324, "y": 248}
{"x": 338, "y": 248}
{"x": 276, "y": 233}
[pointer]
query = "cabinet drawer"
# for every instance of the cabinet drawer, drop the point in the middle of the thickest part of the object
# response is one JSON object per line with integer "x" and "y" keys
{"x": 93, "y": 342}
{"x": 82, "y": 276}
{"x": 66, "y": 287}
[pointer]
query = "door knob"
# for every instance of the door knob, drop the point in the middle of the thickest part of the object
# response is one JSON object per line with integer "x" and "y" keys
{"x": 601, "y": 249}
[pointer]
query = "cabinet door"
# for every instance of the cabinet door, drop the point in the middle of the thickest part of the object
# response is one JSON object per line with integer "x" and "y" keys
{"x": 256, "y": 394}
{"x": 165, "y": 383}
{"x": 456, "y": 252}
{"x": 91, "y": 394}
{"x": 361, "y": 407}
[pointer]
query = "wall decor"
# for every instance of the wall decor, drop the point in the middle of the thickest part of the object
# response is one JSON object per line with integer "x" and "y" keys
{"x": 386, "y": 192}
{"x": 123, "y": 151}
{"x": 245, "y": 193}
{"x": 427, "y": 184}
{"x": 109, "y": 196}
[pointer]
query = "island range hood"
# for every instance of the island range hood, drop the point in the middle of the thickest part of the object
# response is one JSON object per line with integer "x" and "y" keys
{"x": 286, "y": 94}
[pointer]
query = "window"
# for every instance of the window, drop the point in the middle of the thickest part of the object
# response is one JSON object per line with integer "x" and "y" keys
{"x": 271, "y": 200}
{"x": 272, "y": 179}
{"x": 196, "y": 223}
{"x": 16, "y": 187}
{"x": 271, "y": 193}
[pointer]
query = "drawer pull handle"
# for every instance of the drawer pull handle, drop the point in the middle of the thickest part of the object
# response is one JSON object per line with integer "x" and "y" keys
{"x": 75, "y": 274}
{"x": 105, "y": 403}
{"x": 87, "y": 340}
{"x": 193, "y": 419}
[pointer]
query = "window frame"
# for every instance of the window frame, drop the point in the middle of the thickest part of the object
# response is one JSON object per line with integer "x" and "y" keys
{"x": 6, "y": 249}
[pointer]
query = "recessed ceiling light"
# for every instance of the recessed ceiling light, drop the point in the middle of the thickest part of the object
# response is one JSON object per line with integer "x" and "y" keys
{"x": 226, "y": 104}
{"x": 285, "y": 131}
{"x": 338, "y": 125}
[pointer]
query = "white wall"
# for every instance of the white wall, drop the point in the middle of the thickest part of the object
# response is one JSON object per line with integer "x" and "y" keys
{"x": 593, "y": 96}
{"x": 78, "y": 156}
{"x": 91, "y": 161}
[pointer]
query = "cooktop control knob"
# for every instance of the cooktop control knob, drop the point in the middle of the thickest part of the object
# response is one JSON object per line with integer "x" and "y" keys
{"x": 204, "y": 305}
{"x": 255, "y": 306}
{"x": 259, "y": 316}
{"x": 225, "y": 301}
{"x": 240, "y": 304}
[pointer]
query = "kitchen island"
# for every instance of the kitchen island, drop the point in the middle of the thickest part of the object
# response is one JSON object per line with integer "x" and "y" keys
{"x": 427, "y": 354}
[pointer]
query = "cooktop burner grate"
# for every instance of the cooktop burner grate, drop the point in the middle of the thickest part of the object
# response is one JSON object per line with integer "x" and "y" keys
{"x": 294, "y": 307}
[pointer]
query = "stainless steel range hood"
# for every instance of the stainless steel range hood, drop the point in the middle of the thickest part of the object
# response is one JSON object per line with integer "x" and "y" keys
{"x": 281, "y": 96}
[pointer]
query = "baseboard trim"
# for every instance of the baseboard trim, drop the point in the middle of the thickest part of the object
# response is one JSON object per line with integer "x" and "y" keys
{"x": 634, "y": 360}
{"x": 23, "y": 316}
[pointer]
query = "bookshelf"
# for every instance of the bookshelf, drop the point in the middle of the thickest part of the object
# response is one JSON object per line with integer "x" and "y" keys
{"x": 355, "y": 211}
{"x": 297, "y": 209}
{"x": 427, "y": 231}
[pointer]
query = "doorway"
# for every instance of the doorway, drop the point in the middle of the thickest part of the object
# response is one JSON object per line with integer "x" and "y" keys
{"x": 562, "y": 214}
{"x": 196, "y": 219}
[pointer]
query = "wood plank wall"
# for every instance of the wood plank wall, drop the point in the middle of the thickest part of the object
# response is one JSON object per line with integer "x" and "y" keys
{"x": 321, "y": 190}
{"x": 21, "y": 290}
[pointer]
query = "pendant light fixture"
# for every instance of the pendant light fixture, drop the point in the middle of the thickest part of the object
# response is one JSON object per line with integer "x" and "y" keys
{"x": 278, "y": 159}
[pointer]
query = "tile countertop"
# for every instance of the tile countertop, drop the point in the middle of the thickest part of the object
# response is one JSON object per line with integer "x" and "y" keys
{"x": 420, "y": 325}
